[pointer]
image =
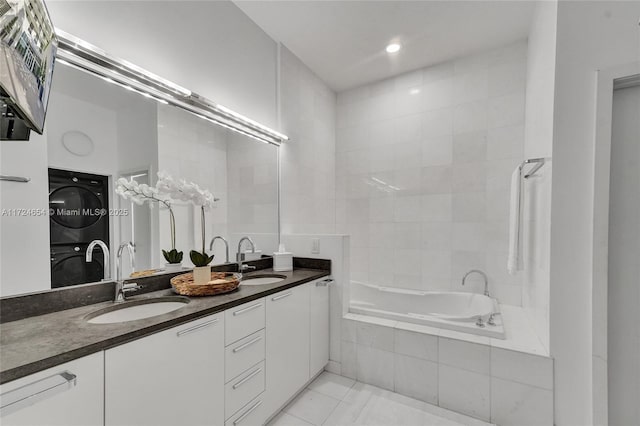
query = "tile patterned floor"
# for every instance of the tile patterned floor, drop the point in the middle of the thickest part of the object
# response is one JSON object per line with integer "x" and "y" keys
{"x": 333, "y": 400}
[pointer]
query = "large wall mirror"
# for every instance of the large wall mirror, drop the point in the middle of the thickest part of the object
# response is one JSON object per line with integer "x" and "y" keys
{"x": 99, "y": 132}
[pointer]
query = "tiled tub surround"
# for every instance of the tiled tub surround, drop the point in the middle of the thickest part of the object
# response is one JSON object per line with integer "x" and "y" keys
{"x": 507, "y": 382}
{"x": 423, "y": 168}
{"x": 65, "y": 335}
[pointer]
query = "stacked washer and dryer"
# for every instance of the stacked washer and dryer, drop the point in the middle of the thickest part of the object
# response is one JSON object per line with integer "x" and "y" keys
{"x": 78, "y": 214}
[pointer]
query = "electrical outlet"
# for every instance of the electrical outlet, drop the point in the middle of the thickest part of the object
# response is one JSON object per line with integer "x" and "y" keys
{"x": 315, "y": 246}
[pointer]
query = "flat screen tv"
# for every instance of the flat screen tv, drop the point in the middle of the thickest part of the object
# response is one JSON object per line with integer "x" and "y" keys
{"x": 28, "y": 46}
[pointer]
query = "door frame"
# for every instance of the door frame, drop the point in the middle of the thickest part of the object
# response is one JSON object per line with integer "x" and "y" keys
{"x": 607, "y": 81}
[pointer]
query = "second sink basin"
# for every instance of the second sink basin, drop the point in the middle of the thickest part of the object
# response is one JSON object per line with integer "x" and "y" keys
{"x": 262, "y": 279}
{"x": 136, "y": 310}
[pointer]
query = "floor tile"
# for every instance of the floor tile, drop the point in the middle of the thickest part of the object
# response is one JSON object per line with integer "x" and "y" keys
{"x": 363, "y": 405}
{"x": 332, "y": 385}
{"x": 284, "y": 419}
{"x": 312, "y": 407}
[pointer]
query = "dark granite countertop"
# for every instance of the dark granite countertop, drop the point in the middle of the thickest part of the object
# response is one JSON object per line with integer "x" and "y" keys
{"x": 36, "y": 343}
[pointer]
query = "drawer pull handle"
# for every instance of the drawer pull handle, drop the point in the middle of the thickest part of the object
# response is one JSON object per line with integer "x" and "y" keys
{"x": 246, "y": 379}
{"x": 324, "y": 283}
{"x": 246, "y": 413}
{"x": 282, "y": 296}
{"x": 245, "y": 345}
{"x": 197, "y": 327}
{"x": 247, "y": 309}
{"x": 32, "y": 393}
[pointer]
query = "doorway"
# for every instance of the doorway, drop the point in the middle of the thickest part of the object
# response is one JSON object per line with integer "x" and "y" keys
{"x": 623, "y": 325}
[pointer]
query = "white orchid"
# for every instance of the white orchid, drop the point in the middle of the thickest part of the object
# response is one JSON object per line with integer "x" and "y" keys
{"x": 189, "y": 192}
{"x": 140, "y": 193}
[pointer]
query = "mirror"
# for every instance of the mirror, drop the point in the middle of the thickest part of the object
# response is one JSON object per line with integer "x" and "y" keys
{"x": 98, "y": 132}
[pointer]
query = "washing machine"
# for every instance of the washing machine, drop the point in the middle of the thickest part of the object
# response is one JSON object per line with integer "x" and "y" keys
{"x": 78, "y": 207}
{"x": 68, "y": 265}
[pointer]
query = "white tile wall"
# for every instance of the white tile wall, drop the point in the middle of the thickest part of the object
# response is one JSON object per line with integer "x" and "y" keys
{"x": 236, "y": 169}
{"x": 476, "y": 376}
{"x": 308, "y": 160}
{"x": 423, "y": 162}
{"x": 192, "y": 149}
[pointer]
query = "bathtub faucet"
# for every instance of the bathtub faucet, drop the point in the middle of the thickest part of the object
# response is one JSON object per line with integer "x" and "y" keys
{"x": 484, "y": 276}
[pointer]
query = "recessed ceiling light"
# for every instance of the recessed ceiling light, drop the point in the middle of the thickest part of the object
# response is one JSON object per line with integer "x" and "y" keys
{"x": 414, "y": 91}
{"x": 393, "y": 47}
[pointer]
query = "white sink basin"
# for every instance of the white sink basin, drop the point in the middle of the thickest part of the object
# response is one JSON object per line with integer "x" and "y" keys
{"x": 262, "y": 279}
{"x": 137, "y": 310}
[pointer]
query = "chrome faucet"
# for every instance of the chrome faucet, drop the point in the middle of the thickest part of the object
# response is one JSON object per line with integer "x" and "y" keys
{"x": 226, "y": 245}
{"x": 486, "y": 280}
{"x": 105, "y": 257}
{"x": 240, "y": 255}
{"x": 121, "y": 288}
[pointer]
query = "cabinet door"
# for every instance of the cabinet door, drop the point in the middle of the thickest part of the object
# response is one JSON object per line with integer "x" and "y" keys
{"x": 319, "y": 325}
{"x": 70, "y": 394}
{"x": 175, "y": 377}
{"x": 287, "y": 345}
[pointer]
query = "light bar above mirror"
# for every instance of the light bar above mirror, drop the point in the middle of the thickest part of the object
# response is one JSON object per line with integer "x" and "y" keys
{"x": 79, "y": 54}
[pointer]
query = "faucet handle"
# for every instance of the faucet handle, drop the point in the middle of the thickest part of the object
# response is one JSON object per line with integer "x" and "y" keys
{"x": 244, "y": 268}
{"x": 131, "y": 287}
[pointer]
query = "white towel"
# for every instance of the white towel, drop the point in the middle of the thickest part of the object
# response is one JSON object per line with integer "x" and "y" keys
{"x": 514, "y": 262}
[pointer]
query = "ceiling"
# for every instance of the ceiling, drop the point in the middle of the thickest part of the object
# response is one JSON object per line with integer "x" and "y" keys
{"x": 343, "y": 42}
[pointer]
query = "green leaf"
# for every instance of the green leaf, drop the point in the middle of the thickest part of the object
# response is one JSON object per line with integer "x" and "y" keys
{"x": 173, "y": 256}
{"x": 200, "y": 259}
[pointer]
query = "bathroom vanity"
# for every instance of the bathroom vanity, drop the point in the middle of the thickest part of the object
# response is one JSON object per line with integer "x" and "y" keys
{"x": 234, "y": 359}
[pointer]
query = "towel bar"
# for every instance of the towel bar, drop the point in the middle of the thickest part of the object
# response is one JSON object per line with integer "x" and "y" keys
{"x": 14, "y": 178}
{"x": 539, "y": 162}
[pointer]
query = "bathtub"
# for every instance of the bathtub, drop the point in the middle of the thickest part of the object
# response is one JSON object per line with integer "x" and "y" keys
{"x": 458, "y": 311}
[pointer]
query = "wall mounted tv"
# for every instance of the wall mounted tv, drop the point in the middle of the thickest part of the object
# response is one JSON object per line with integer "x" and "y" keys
{"x": 28, "y": 46}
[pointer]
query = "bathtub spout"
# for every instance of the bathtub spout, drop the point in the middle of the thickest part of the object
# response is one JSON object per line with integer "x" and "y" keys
{"x": 484, "y": 276}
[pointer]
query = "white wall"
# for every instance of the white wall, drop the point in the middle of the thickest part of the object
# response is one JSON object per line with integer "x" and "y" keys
{"x": 591, "y": 36}
{"x": 195, "y": 150}
{"x": 424, "y": 163}
{"x": 210, "y": 47}
{"x": 66, "y": 113}
{"x": 252, "y": 176}
{"x": 24, "y": 238}
{"x": 538, "y": 143}
{"x": 308, "y": 114}
{"x": 137, "y": 129}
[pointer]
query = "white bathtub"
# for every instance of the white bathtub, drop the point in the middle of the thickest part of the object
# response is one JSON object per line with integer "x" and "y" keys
{"x": 457, "y": 311}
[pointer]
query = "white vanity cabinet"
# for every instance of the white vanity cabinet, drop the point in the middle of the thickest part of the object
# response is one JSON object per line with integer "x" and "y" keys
{"x": 69, "y": 394}
{"x": 287, "y": 344}
{"x": 318, "y": 325}
{"x": 175, "y": 377}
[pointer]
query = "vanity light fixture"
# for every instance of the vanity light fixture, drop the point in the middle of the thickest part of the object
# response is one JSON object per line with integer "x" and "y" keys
{"x": 79, "y": 54}
{"x": 393, "y": 47}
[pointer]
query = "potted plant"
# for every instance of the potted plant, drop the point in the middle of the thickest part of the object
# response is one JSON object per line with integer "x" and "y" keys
{"x": 141, "y": 193}
{"x": 191, "y": 192}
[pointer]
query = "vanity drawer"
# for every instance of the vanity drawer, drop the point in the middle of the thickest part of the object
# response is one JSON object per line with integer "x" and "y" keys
{"x": 243, "y": 320}
{"x": 252, "y": 414}
{"x": 242, "y": 354}
{"x": 242, "y": 389}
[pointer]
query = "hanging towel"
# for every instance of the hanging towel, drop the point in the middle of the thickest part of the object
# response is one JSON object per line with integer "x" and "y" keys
{"x": 514, "y": 262}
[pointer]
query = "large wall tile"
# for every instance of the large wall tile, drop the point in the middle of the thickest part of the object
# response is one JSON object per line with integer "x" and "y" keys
{"x": 375, "y": 336}
{"x": 375, "y": 366}
{"x": 416, "y": 378}
{"x": 523, "y": 368}
{"x": 514, "y": 404}
{"x": 469, "y": 356}
{"x": 464, "y": 391}
{"x": 424, "y": 162}
{"x": 417, "y": 345}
